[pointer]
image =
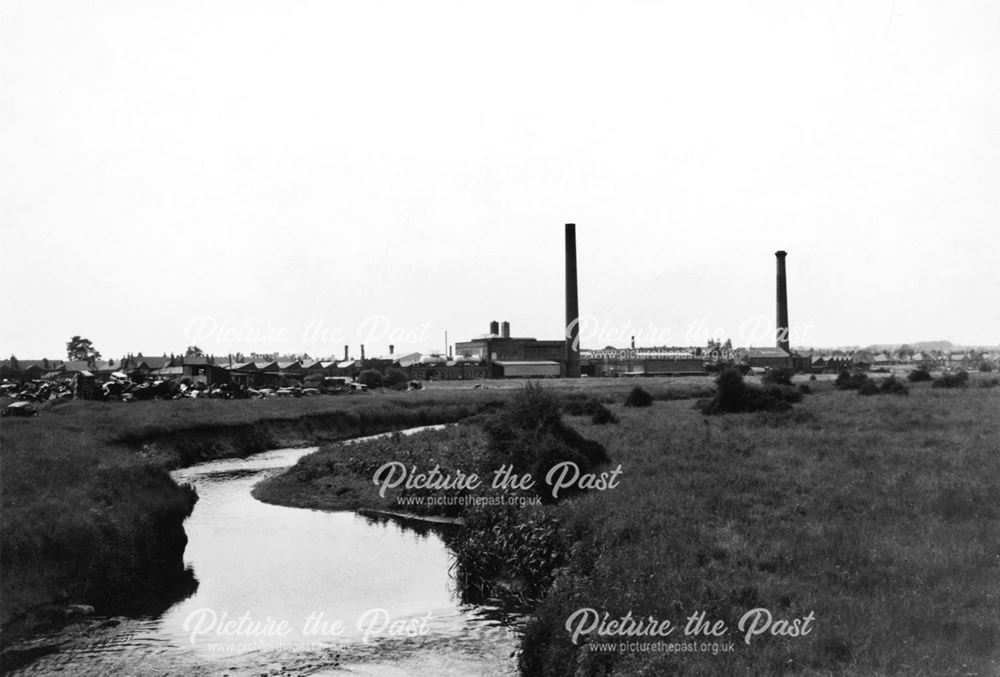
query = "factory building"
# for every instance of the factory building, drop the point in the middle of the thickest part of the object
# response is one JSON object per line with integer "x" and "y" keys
{"x": 504, "y": 356}
{"x": 640, "y": 362}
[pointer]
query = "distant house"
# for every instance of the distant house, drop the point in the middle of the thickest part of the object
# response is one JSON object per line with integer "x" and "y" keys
{"x": 202, "y": 369}
{"x": 243, "y": 373}
{"x": 291, "y": 369}
{"x": 862, "y": 358}
{"x": 33, "y": 369}
{"x": 168, "y": 373}
{"x": 770, "y": 358}
{"x": 312, "y": 367}
{"x": 139, "y": 366}
{"x": 105, "y": 367}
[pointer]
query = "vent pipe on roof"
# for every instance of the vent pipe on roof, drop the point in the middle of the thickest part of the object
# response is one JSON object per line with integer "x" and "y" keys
{"x": 572, "y": 333}
{"x": 782, "y": 329}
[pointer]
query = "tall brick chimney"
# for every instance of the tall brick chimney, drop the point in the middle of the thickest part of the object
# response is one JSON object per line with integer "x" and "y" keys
{"x": 346, "y": 358}
{"x": 362, "y": 352}
{"x": 572, "y": 329}
{"x": 505, "y": 329}
{"x": 782, "y": 329}
{"x": 495, "y": 328}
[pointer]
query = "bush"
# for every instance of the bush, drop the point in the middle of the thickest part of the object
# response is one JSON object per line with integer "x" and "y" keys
{"x": 529, "y": 434}
{"x": 891, "y": 386}
{"x": 777, "y": 377}
{"x": 805, "y": 389}
{"x": 851, "y": 380}
{"x": 579, "y": 404}
{"x": 918, "y": 375}
{"x": 371, "y": 378}
{"x": 986, "y": 367}
{"x": 603, "y": 416}
{"x": 733, "y": 395}
{"x": 395, "y": 378}
{"x": 639, "y": 398}
{"x": 959, "y": 380}
{"x": 869, "y": 387}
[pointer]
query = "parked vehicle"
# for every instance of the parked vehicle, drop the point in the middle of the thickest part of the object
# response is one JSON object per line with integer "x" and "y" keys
{"x": 19, "y": 409}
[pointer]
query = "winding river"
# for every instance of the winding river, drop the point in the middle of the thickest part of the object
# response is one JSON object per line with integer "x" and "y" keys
{"x": 289, "y": 591}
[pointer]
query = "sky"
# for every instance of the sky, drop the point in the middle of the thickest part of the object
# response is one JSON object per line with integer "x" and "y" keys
{"x": 296, "y": 176}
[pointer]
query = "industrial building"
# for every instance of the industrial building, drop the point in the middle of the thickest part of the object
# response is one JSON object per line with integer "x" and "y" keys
{"x": 640, "y": 362}
{"x": 505, "y": 356}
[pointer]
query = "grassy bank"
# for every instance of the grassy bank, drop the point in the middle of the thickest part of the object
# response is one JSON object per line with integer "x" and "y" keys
{"x": 339, "y": 475}
{"x": 91, "y": 516}
{"x": 880, "y": 516}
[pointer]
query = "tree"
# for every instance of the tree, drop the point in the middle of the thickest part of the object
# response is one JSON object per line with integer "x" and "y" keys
{"x": 370, "y": 378}
{"x": 79, "y": 348}
{"x": 193, "y": 351}
{"x": 395, "y": 378}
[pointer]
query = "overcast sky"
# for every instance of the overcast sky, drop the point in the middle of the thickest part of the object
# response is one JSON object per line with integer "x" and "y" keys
{"x": 304, "y": 175}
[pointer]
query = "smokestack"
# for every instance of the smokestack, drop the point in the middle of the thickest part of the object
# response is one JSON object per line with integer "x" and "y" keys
{"x": 362, "y": 352}
{"x": 572, "y": 334}
{"x": 505, "y": 329}
{"x": 782, "y": 330}
{"x": 391, "y": 348}
{"x": 495, "y": 328}
{"x": 346, "y": 358}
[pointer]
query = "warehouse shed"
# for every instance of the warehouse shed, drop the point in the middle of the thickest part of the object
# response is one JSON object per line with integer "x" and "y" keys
{"x": 526, "y": 369}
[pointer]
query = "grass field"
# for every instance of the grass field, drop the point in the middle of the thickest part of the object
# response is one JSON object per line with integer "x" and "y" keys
{"x": 879, "y": 515}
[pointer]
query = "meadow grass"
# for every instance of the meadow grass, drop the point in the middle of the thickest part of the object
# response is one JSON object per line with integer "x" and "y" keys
{"x": 879, "y": 515}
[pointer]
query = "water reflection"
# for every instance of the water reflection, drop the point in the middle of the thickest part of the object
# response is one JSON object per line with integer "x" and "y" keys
{"x": 307, "y": 590}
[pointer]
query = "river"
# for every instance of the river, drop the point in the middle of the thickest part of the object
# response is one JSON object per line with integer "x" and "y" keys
{"x": 289, "y": 591}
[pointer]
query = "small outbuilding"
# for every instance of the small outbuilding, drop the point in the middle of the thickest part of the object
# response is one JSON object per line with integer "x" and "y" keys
{"x": 526, "y": 369}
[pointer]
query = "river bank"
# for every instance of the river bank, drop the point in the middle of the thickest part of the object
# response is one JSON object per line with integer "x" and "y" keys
{"x": 354, "y": 593}
{"x": 91, "y": 516}
{"x": 869, "y": 521}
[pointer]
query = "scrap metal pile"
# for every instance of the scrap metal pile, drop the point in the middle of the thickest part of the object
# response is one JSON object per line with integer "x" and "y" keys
{"x": 117, "y": 387}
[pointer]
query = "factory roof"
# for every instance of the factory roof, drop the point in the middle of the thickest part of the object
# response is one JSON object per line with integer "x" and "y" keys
{"x": 766, "y": 352}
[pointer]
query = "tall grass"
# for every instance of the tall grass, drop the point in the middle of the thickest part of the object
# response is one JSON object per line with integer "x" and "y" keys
{"x": 878, "y": 515}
